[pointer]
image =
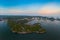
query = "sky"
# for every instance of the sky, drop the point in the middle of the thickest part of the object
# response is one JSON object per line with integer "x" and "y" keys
{"x": 30, "y": 7}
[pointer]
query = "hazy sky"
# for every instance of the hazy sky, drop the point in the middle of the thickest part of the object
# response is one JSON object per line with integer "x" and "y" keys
{"x": 30, "y": 7}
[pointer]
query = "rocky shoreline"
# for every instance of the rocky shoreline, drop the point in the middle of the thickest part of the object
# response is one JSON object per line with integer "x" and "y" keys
{"x": 29, "y": 32}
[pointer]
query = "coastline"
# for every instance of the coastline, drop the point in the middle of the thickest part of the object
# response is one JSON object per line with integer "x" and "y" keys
{"x": 29, "y": 32}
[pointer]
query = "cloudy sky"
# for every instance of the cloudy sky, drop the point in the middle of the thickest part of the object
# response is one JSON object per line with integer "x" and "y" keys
{"x": 30, "y": 7}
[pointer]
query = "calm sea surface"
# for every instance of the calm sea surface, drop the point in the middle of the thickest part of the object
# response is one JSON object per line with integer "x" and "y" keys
{"x": 52, "y": 28}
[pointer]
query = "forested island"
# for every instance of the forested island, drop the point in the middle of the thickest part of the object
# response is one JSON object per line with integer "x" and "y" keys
{"x": 21, "y": 26}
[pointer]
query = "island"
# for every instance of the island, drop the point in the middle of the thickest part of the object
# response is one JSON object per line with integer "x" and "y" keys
{"x": 20, "y": 26}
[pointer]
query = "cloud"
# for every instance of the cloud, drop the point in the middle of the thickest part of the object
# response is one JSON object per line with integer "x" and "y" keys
{"x": 50, "y": 8}
{"x": 14, "y": 11}
{"x": 47, "y": 9}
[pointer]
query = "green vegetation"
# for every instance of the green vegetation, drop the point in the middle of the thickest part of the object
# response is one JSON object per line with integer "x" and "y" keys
{"x": 20, "y": 26}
